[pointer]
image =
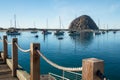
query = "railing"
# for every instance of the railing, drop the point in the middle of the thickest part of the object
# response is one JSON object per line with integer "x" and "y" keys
{"x": 67, "y": 75}
{"x": 89, "y": 66}
{"x": 72, "y": 75}
{"x": 57, "y": 77}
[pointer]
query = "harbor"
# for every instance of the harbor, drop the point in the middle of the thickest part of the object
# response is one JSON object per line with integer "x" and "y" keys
{"x": 59, "y": 40}
{"x": 86, "y": 45}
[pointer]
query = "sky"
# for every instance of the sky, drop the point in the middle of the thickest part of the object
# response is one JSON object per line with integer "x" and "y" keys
{"x": 35, "y": 13}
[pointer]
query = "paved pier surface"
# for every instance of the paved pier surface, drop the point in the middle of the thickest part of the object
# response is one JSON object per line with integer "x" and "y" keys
{"x": 5, "y": 72}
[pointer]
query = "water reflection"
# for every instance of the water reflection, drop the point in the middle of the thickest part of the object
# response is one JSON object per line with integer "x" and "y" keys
{"x": 85, "y": 38}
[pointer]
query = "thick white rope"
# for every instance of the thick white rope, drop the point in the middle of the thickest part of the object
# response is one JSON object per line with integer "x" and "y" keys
{"x": 8, "y": 42}
{"x": 28, "y": 50}
{"x": 57, "y": 66}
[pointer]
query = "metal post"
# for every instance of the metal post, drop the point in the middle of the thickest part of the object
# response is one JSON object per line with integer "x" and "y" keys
{"x": 48, "y": 76}
{"x": 76, "y": 76}
{"x": 63, "y": 74}
{"x": 14, "y": 56}
{"x": 34, "y": 62}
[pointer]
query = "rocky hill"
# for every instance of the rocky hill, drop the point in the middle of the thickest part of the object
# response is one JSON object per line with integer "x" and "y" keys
{"x": 83, "y": 22}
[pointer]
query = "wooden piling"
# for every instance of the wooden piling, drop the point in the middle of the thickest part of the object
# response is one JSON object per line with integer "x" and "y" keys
{"x": 14, "y": 57}
{"x": 34, "y": 62}
{"x": 90, "y": 67}
{"x": 5, "y": 49}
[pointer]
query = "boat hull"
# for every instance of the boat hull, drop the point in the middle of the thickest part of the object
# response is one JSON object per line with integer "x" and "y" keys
{"x": 13, "y": 33}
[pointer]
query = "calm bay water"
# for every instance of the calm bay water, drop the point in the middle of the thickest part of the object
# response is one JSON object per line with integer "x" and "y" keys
{"x": 71, "y": 50}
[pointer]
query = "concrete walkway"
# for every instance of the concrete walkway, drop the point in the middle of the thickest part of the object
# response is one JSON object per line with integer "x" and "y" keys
{"x": 5, "y": 72}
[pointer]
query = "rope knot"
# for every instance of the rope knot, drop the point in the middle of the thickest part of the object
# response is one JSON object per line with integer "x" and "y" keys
{"x": 101, "y": 75}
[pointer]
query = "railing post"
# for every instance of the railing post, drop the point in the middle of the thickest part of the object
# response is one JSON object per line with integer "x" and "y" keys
{"x": 5, "y": 48}
{"x": 90, "y": 67}
{"x": 14, "y": 57}
{"x": 34, "y": 62}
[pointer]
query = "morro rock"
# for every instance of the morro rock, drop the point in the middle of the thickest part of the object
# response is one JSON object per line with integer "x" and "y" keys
{"x": 83, "y": 22}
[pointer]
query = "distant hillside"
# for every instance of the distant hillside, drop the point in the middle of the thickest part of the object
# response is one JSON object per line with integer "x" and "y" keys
{"x": 83, "y": 22}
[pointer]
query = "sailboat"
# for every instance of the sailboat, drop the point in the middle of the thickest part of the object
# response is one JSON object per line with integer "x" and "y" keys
{"x": 103, "y": 31}
{"x": 97, "y": 32}
{"x": 45, "y": 31}
{"x": 74, "y": 33}
{"x": 34, "y": 30}
{"x": 107, "y": 29}
{"x": 13, "y": 31}
{"x": 59, "y": 32}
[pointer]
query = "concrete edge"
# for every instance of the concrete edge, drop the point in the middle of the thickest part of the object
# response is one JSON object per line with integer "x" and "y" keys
{"x": 9, "y": 63}
{"x": 21, "y": 74}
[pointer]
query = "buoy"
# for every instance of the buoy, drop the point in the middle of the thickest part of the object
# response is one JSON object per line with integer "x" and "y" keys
{"x": 36, "y": 36}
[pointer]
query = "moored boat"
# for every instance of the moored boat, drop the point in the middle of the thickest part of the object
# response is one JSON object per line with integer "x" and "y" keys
{"x": 74, "y": 33}
{"x": 13, "y": 31}
{"x": 46, "y": 32}
{"x": 59, "y": 32}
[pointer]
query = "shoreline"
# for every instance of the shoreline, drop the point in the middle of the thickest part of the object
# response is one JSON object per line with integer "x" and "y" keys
{"x": 86, "y": 30}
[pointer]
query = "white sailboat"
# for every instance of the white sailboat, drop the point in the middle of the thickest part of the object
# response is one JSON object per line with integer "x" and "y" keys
{"x": 13, "y": 31}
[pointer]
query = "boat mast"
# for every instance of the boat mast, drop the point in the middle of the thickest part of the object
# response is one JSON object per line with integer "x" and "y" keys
{"x": 10, "y": 23}
{"x": 99, "y": 23}
{"x": 60, "y": 22}
{"x": 15, "y": 21}
{"x": 47, "y": 23}
{"x": 34, "y": 25}
{"x": 107, "y": 26}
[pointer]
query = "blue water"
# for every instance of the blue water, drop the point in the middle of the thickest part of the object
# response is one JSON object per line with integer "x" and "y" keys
{"x": 71, "y": 50}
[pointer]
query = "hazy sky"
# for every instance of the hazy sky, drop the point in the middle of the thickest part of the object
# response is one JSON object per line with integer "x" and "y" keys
{"x": 30, "y": 12}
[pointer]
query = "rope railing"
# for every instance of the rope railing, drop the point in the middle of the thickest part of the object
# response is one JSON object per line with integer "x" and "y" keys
{"x": 58, "y": 66}
{"x": 28, "y": 50}
{"x": 8, "y": 42}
